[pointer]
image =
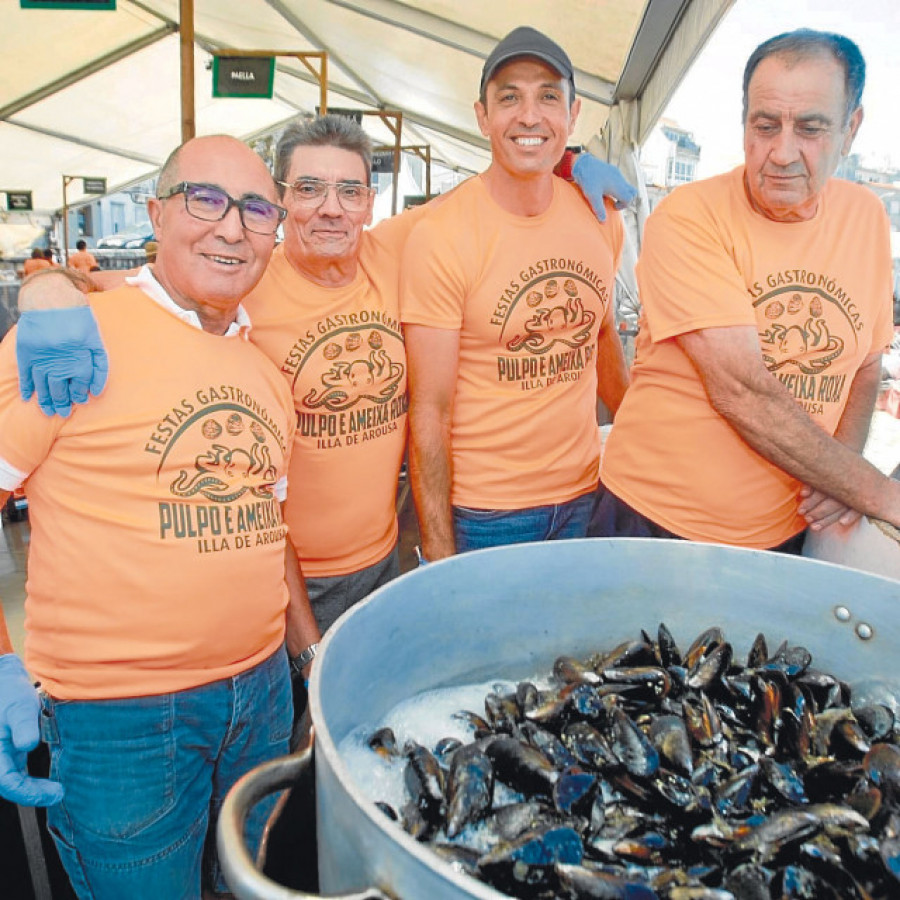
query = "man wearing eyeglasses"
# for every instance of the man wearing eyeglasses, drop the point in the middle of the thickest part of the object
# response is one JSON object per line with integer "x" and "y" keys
{"x": 159, "y": 572}
{"x": 327, "y": 313}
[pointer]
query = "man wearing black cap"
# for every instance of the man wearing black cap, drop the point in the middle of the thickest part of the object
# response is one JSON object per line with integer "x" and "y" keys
{"x": 507, "y": 303}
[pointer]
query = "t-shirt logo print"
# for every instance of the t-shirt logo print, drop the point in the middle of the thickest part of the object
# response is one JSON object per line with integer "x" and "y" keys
{"x": 371, "y": 375}
{"x": 556, "y": 318}
{"x": 225, "y": 472}
{"x": 798, "y": 335}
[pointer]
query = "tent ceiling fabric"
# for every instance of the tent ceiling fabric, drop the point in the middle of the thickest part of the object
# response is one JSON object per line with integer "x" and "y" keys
{"x": 91, "y": 93}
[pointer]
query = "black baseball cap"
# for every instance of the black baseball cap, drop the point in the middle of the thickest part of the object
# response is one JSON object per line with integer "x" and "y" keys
{"x": 526, "y": 41}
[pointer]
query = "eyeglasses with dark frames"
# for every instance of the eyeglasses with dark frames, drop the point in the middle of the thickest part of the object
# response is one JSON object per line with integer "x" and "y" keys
{"x": 311, "y": 193}
{"x": 211, "y": 204}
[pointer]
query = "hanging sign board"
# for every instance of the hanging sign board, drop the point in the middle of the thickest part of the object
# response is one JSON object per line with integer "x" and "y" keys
{"x": 383, "y": 161}
{"x": 413, "y": 200}
{"x": 94, "y": 185}
{"x": 19, "y": 200}
{"x": 68, "y": 4}
{"x": 243, "y": 76}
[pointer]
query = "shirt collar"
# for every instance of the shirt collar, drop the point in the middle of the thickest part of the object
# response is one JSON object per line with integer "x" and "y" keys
{"x": 146, "y": 281}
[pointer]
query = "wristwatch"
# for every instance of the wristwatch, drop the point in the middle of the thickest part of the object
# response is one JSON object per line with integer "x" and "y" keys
{"x": 303, "y": 658}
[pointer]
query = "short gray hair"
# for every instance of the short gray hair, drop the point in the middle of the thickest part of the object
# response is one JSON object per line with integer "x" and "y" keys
{"x": 325, "y": 131}
{"x": 804, "y": 43}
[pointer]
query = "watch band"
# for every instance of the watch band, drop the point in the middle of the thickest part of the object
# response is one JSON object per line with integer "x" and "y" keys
{"x": 304, "y": 658}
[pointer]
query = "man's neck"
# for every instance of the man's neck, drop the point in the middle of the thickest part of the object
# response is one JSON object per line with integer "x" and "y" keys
{"x": 324, "y": 271}
{"x": 214, "y": 319}
{"x": 530, "y": 196}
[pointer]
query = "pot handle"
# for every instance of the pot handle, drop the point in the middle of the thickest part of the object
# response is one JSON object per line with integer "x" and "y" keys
{"x": 244, "y": 879}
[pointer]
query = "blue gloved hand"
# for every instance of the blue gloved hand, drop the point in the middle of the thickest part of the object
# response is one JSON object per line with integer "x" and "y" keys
{"x": 598, "y": 179}
{"x": 61, "y": 357}
{"x": 20, "y": 711}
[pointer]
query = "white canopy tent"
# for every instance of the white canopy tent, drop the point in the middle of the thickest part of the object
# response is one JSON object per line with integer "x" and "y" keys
{"x": 98, "y": 93}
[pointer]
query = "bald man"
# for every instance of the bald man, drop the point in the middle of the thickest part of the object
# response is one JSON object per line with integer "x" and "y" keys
{"x": 158, "y": 588}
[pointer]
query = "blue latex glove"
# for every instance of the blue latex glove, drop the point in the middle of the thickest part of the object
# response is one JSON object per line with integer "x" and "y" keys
{"x": 61, "y": 357}
{"x": 598, "y": 179}
{"x": 20, "y": 711}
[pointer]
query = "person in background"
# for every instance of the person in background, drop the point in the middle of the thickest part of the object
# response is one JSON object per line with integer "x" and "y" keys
{"x": 48, "y": 256}
{"x": 161, "y": 589}
{"x": 34, "y": 263}
{"x": 508, "y": 313}
{"x": 82, "y": 260}
{"x": 766, "y": 299}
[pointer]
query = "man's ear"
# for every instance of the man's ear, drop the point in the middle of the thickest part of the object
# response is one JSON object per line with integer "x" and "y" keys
{"x": 856, "y": 118}
{"x": 154, "y": 211}
{"x": 481, "y": 116}
{"x": 574, "y": 110}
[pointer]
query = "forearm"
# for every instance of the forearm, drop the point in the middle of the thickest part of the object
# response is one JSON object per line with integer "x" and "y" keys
{"x": 6, "y": 645}
{"x": 430, "y": 472}
{"x": 612, "y": 373}
{"x": 433, "y": 355}
{"x": 301, "y": 629}
{"x": 853, "y": 429}
{"x": 772, "y": 423}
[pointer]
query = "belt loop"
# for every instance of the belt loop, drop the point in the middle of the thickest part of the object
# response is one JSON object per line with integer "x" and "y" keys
{"x": 49, "y": 733}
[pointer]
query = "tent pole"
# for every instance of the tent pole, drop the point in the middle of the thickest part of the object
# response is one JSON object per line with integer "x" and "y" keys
{"x": 186, "y": 34}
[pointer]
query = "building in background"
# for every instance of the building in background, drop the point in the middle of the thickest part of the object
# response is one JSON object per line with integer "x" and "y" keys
{"x": 669, "y": 157}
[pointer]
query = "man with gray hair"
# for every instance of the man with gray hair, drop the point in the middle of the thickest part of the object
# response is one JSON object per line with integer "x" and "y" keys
{"x": 766, "y": 299}
{"x": 327, "y": 313}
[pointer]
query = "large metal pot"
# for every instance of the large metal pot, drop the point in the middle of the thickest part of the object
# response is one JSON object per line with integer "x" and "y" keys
{"x": 508, "y": 613}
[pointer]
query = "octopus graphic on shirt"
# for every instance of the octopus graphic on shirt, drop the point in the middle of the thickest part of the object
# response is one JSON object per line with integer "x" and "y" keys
{"x": 341, "y": 351}
{"x": 529, "y": 296}
{"x": 157, "y": 553}
{"x": 817, "y": 292}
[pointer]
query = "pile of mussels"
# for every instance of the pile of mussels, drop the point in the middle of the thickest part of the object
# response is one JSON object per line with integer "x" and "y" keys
{"x": 647, "y": 772}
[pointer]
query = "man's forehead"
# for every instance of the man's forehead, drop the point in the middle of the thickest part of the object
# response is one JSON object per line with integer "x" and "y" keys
{"x": 326, "y": 162}
{"x": 818, "y": 77}
{"x": 232, "y": 167}
{"x": 530, "y": 67}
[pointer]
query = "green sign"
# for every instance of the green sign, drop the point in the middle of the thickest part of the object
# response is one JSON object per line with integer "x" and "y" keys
{"x": 68, "y": 4}
{"x": 94, "y": 185}
{"x": 19, "y": 200}
{"x": 243, "y": 76}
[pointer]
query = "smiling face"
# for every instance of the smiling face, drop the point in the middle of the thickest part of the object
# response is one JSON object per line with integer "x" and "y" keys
{"x": 795, "y": 134}
{"x": 329, "y": 233}
{"x": 527, "y": 117}
{"x": 212, "y": 265}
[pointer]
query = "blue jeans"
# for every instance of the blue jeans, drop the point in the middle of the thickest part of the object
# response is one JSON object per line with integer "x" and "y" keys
{"x": 145, "y": 778}
{"x": 331, "y": 597}
{"x": 476, "y": 529}
{"x": 613, "y": 517}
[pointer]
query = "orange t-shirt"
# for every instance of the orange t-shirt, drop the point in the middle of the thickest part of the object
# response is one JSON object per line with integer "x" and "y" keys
{"x": 157, "y": 547}
{"x": 83, "y": 261}
{"x": 528, "y": 296}
{"x": 819, "y": 294}
{"x": 341, "y": 351}
{"x": 31, "y": 265}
